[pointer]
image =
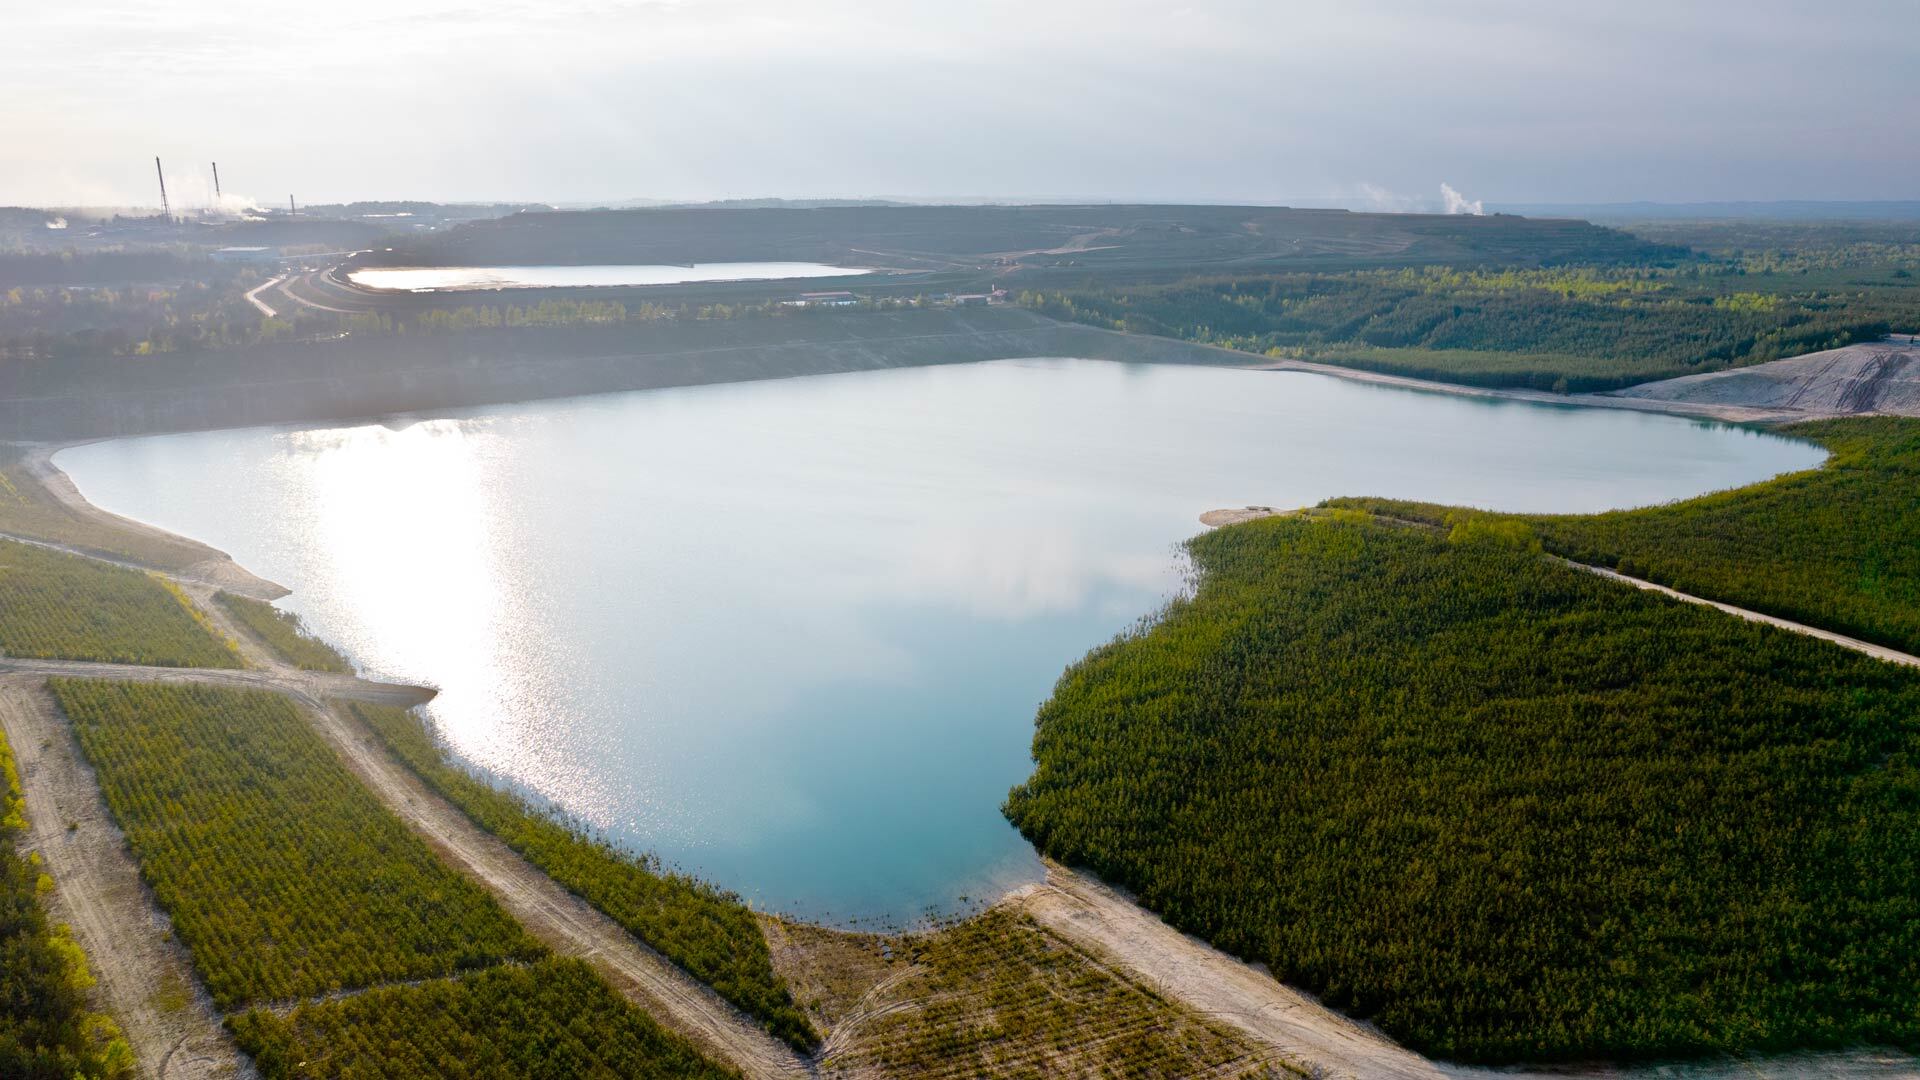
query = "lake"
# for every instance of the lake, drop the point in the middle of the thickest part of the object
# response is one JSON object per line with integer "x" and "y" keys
{"x": 463, "y": 278}
{"x": 791, "y": 634}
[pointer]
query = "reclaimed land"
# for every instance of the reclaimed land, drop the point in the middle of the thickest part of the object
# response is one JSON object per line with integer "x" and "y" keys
{"x": 708, "y": 932}
{"x": 57, "y": 606}
{"x": 552, "y": 1020}
{"x": 1836, "y": 547}
{"x": 1504, "y": 809}
{"x": 282, "y": 874}
{"x": 48, "y": 1029}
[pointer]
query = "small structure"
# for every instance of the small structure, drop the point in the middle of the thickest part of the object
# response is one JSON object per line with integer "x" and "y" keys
{"x": 841, "y": 298}
{"x": 245, "y": 254}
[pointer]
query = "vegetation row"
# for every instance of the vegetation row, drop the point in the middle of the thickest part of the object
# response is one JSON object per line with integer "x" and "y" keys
{"x": 284, "y": 634}
{"x": 65, "y": 607}
{"x": 1505, "y": 809}
{"x": 283, "y": 875}
{"x": 553, "y": 1020}
{"x": 709, "y": 933}
{"x": 47, "y": 1030}
{"x": 997, "y": 996}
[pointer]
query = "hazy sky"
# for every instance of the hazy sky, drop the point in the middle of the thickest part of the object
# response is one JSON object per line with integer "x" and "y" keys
{"x": 1258, "y": 100}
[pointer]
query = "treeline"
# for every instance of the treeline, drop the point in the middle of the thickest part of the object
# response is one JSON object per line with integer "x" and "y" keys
{"x": 1837, "y": 547}
{"x": 707, "y": 932}
{"x": 47, "y": 1030}
{"x": 65, "y": 607}
{"x": 1585, "y": 330}
{"x": 103, "y": 267}
{"x": 281, "y": 873}
{"x": 1504, "y": 809}
{"x": 553, "y": 1020}
{"x": 206, "y": 311}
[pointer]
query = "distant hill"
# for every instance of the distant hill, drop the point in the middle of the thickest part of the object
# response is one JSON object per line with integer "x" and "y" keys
{"x": 1132, "y": 238}
{"x": 1786, "y": 210}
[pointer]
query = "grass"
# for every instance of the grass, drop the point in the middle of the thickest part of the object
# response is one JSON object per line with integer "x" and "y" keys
{"x": 47, "y": 1029}
{"x": 709, "y": 933}
{"x": 27, "y": 509}
{"x": 1836, "y": 547}
{"x": 555, "y": 1019}
{"x": 283, "y": 875}
{"x": 65, "y": 607}
{"x": 998, "y": 996}
{"x": 284, "y": 634}
{"x": 1504, "y": 809}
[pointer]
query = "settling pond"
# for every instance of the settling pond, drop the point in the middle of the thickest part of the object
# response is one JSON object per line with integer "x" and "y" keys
{"x": 467, "y": 278}
{"x": 791, "y": 635}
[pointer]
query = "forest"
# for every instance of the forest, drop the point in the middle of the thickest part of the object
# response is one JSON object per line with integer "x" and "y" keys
{"x": 1837, "y": 547}
{"x": 282, "y": 874}
{"x": 65, "y": 607}
{"x": 1503, "y": 809}
{"x": 708, "y": 932}
{"x": 284, "y": 634}
{"x": 1569, "y": 330}
{"x": 551, "y": 1020}
{"x": 47, "y": 1030}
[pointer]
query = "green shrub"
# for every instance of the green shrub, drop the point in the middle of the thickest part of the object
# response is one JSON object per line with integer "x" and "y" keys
{"x": 556, "y": 1019}
{"x": 64, "y": 607}
{"x": 47, "y": 1031}
{"x": 284, "y": 634}
{"x": 283, "y": 875}
{"x": 708, "y": 932}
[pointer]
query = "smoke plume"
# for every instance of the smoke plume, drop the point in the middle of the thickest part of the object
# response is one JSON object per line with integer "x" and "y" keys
{"x": 1457, "y": 203}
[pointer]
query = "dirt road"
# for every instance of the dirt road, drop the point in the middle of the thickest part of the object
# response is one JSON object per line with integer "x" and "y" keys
{"x": 1186, "y": 969}
{"x": 145, "y": 981}
{"x": 564, "y": 922}
{"x": 567, "y": 924}
{"x": 308, "y": 685}
{"x": 1326, "y": 1044}
{"x": 1218, "y": 518}
{"x": 1878, "y": 652}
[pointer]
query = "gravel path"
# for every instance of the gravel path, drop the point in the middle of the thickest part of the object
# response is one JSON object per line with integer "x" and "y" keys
{"x": 562, "y": 921}
{"x": 1878, "y": 652}
{"x": 145, "y": 980}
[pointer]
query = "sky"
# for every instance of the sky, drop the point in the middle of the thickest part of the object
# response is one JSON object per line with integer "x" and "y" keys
{"x": 1365, "y": 103}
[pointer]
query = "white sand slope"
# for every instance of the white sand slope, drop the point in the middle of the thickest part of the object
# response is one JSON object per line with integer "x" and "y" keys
{"x": 1882, "y": 377}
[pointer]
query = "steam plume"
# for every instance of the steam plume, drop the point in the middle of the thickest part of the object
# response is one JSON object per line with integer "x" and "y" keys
{"x": 1457, "y": 203}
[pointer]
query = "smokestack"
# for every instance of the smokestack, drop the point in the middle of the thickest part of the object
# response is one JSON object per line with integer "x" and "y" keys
{"x": 290, "y": 210}
{"x": 166, "y": 211}
{"x": 216, "y": 181}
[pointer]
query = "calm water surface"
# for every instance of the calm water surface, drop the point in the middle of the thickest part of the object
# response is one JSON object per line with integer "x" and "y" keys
{"x": 456, "y": 278}
{"x": 791, "y": 635}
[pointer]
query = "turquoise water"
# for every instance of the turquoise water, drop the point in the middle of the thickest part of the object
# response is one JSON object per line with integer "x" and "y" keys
{"x": 462, "y": 278}
{"x": 791, "y": 635}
